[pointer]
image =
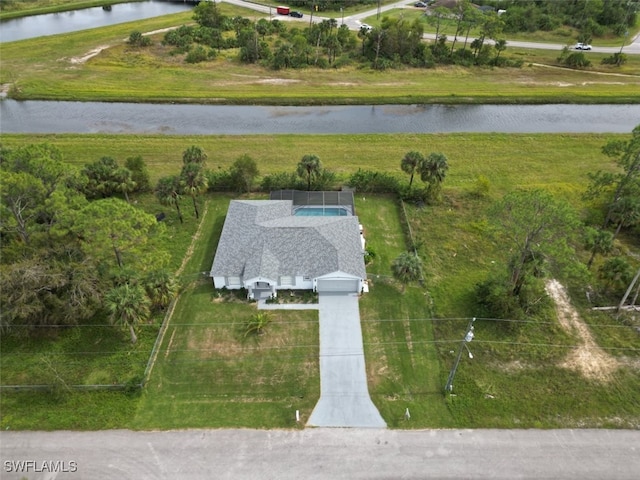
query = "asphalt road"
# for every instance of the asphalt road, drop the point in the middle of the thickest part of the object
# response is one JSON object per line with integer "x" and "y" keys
{"x": 355, "y": 21}
{"x": 323, "y": 454}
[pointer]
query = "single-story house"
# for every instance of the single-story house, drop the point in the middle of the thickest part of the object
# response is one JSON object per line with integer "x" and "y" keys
{"x": 271, "y": 245}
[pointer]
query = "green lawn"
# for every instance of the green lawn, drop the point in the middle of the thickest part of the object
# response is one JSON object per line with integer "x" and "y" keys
{"x": 206, "y": 376}
{"x": 507, "y": 160}
{"x": 52, "y": 70}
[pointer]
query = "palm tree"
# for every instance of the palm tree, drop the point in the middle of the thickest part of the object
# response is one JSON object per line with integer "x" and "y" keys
{"x": 406, "y": 268}
{"x": 500, "y": 46}
{"x": 127, "y": 306}
{"x": 433, "y": 172}
{"x": 598, "y": 241}
{"x": 194, "y": 154}
{"x": 168, "y": 192}
{"x": 194, "y": 181}
{"x": 161, "y": 288}
{"x": 410, "y": 163}
{"x": 625, "y": 212}
{"x": 615, "y": 273}
{"x": 308, "y": 167}
{"x": 257, "y": 324}
{"x": 124, "y": 182}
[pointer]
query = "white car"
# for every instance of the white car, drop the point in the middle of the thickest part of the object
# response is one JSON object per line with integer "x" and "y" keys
{"x": 582, "y": 46}
{"x": 366, "y": 27}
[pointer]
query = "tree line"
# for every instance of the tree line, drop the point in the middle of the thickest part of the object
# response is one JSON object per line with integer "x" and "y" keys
{"x": 71, "y": 249}
{"x": 75, "y": 247}
{"x": 396, "y": 42}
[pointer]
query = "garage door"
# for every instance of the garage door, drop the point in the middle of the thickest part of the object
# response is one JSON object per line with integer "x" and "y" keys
{"x": 338, "y": 285}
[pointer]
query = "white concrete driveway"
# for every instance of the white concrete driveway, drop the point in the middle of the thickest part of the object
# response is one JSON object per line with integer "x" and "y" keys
{"x": 344, "y": 395}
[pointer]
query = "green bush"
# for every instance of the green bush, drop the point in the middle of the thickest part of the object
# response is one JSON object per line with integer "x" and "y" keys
{"x": 282, "y": 181}
{"x": 577, "y": 60}
{"x": 369, "y": 181}
{"x": 138, "y": 40}
{"x": 220, "y": 181}
{"x": 197, "y": 55}
{"x": 615, "y": 59}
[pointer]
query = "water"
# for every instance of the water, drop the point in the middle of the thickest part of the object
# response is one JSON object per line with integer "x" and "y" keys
{"x": 321, "y": 212}
{"x": 64, "y": 22}
{"x": 132, "y": 118}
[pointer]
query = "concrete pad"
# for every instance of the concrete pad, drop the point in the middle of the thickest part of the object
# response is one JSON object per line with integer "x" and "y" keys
{"x": 344, "y": 394}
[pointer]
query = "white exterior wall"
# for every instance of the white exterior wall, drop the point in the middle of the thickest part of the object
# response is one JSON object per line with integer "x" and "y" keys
{"x": 302, "y": 284}
{"x": 219, "y": 282}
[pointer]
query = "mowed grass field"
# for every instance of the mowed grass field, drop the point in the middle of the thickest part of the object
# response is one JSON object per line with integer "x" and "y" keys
{"x": 507, "y": 160}
{"x": 208, "y": 374}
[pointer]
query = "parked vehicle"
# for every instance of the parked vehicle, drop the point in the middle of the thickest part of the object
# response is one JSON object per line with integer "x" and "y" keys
{"x": 419, "y": 4}
{"x": 283, "y": 10}
{"x": 366, "y": 27}
{"x": 582, "y": 46}
{"x": 295, "y": 14}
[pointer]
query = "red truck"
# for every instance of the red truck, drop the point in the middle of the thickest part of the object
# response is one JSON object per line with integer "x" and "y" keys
{"x": 283, "y": 10}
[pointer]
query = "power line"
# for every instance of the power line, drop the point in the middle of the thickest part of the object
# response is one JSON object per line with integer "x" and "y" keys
{"x": 294, "y": 322}
{"x": 241, "y": 349}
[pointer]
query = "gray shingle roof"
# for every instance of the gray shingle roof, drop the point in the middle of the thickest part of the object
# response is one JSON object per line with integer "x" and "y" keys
{"x": 261, "y": 238}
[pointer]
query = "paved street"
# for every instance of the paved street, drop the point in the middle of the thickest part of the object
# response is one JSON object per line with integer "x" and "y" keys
{"x": 325, "y": 454}
{"x": 355, "y": 21}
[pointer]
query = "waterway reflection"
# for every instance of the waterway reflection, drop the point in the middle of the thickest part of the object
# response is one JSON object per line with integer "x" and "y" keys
{"x": 93, "y": 117}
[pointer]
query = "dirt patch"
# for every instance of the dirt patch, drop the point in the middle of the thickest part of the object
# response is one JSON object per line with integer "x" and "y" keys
{"x": 588, "y": 358}
{"x": 277, "y": 81}
{"x": 90, "y": 54}
{"x": 194, "y": 242}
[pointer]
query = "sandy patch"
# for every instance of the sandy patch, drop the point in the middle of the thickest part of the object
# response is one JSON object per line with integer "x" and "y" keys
{"x": 588, "y": 358}
{"x": 277, "y": 81}
{"x": 90, "y": 54}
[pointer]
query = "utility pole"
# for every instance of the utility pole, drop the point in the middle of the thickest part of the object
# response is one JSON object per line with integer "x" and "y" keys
{"x": 468, "y": 336}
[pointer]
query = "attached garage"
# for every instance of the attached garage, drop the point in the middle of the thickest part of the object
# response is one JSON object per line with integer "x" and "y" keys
{"x": 338, "y": 285}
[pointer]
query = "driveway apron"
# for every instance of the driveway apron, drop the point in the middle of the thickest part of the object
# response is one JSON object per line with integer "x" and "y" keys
{"x": 344, "y": 395}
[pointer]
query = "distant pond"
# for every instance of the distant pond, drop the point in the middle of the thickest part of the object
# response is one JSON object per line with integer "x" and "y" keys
{"x": 71, "y": 21}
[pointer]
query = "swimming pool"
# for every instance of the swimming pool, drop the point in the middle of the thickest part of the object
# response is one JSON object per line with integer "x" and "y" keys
{"x": 321, "y": 212}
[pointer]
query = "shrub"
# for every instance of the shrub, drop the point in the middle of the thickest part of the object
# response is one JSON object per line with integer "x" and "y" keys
{"x": 615, "y": 59}
{"x": 369, "y": 255}
{"x": 181, "y": 38}
{"x": 481, "y": 187}
{"x": 220, "y": 181}
{"x": 138, "y": 40}
{"x": 139, "y": 173}
{"x": 577, "y": 60}
{"x": 282, "y": 181}
{"x": 197, "y": 55}
{"x": 324, "y": 180}
{"x": 369, "y": 181}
